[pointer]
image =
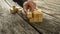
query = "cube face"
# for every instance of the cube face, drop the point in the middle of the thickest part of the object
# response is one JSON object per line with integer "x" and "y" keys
{"x": 29, "y": 14}
{"x": 13, "y": 10}
{"x": 31, "y": 19}
{"x": 37, "y": 16}
{"x": 41, "y": 19}
{"x": 36, "y": 19}
{"x": 19, "y": 11}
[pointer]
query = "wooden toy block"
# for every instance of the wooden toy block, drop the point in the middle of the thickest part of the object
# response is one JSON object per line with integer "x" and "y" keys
{"x": 15, "y": 9}
{"x": 19, "y": 10}
{"x": 36, "y": 17}
{"x": 29, "y": 14}
{"x": 31, "y": 19}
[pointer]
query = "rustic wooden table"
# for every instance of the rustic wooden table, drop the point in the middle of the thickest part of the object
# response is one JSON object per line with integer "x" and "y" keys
{"x": 15, "y": 24}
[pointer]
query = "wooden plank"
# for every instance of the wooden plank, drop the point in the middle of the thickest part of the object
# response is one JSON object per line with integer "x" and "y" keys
{"x": 50, "y": 6}
{"x": 50, "y": 25}
{"x": 13, "y": 23}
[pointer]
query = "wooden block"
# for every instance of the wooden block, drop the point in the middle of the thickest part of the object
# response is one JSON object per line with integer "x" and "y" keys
{"x": 40, "y": 19}
{"x": 37, "y": 16}
{"x": 19, "y": 10}
{"x": 40, "y": 16}
{"x": 31, "y": 19}
{"x": 29, "y": 14}
{"x": 13, "y": 9}
{"x": 36, "y": 19}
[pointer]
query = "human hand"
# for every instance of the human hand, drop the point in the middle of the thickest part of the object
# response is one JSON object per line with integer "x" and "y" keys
{"x": 29, "y": 5}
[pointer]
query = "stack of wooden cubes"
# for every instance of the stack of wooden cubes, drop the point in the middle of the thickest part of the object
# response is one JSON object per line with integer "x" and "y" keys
{"x": 15, "y": 9}
{"x": 35, "y": 16}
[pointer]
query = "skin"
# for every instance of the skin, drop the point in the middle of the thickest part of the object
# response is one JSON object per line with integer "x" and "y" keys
{"x": 29, "y": 4}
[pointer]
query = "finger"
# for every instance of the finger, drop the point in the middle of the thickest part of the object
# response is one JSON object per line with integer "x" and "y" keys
{"x": 25, "y": 6}
{"x": 32, "y": 6}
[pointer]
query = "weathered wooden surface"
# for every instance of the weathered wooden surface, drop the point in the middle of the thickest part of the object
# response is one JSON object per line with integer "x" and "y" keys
{"x": 51, "y": 23}
{"x": 13, "y": 23}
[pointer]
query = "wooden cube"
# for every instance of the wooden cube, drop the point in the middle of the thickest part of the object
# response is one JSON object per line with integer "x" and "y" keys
{"x": 37, "y": 16}
{"x": 31, "y": 19}
{"x": 19, "y": 10}
{"x": 36, "y": 19}
{"x": 15, "y": 9}
{"x": 29, "y": 14}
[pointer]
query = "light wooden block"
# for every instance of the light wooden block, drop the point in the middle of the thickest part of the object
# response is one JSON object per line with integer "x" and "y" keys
{"x": 37, "y": 16}
{"x": 29, "y": 14}
{"x": 19, "y": 10}
{"x": 15, "y": 9}
{"x": 36, "y": 19}
{"x": 31, "y": 19}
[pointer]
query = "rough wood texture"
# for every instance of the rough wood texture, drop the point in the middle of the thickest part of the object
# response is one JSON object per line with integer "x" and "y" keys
{"x": 13, "y": 23}
{"x": 50, "y": 25}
